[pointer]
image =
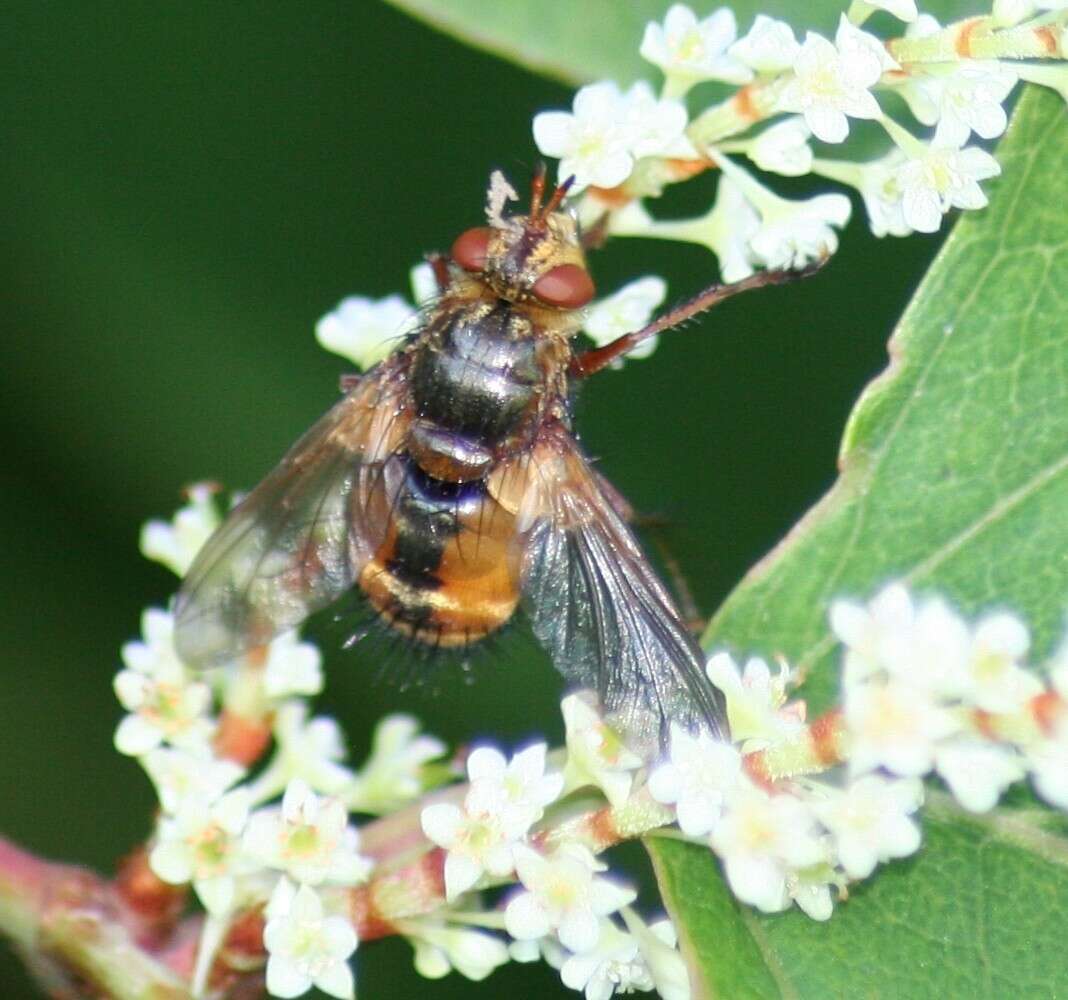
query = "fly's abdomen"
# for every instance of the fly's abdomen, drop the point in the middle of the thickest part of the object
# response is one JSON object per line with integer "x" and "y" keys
{"x": 446, "y": 574}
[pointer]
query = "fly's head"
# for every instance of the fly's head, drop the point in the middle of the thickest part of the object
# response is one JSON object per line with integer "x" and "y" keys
{"x": 535, "y": 258}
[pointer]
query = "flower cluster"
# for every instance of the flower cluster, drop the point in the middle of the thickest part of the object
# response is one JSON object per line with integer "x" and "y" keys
{"x": 226, "y": 833}
{"x": 923, "y": 692}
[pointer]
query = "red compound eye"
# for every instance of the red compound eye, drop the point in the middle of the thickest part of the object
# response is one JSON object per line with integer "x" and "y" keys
{"x": 566, "y": 286}
{"x": 471, "y": 247}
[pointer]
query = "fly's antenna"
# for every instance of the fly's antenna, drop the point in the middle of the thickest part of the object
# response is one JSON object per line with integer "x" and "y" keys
{"x": 537, "y": 192}
{"x": 557, "y": 196}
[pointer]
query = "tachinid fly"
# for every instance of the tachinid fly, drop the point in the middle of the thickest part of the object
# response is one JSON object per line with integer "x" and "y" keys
{"x": 447, "y": 489}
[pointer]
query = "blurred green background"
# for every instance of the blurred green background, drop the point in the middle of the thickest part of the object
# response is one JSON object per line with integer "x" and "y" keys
{"x": 186, "y": 189}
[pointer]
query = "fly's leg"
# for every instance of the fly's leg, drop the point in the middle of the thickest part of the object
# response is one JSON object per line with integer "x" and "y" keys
{"x": 348, "y": 382}
{"x": 439, "y": 264}
{"x": 588, "y": 363}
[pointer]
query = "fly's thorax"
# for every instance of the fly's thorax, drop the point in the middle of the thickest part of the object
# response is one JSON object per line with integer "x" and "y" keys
{"x": 478, "y": 382}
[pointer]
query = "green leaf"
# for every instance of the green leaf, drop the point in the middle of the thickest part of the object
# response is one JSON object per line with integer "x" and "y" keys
{"x": 599, "y": 39}
{"x": 954, "y": 476}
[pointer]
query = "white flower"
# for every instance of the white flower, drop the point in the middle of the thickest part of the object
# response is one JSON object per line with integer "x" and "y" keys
{"x": 882, "y": 195}
{"x": 307, "y": 749}
{"x": 475, "y": 837}
{"x": 1007, "y": 13}
{"x": 832, "y": 82}
{"x": 996, "y": 681}
{"x": 701, "y": 772}
{"x": 903, "y": 10}
{"x": 309, "y": 838}
{"x": 305, "y": 947}
{"x": 655, "y": 126}
{"x": 440, "y": 948}
{"x": 783, "y": 148}
{"x": 769, "y": 47}
{"x": 934, "y": 652}
{"x": 392, "y": 775}
{"x": 754, "y": 699}
{"x": 614, "y": 965}
{"x": 657, "y": 943}
{"x": 870, "y": 821}
{"x": 592, "y": 142}
{"x": 732, "y": 223}
{"x": 688, "y": 50}
{"x": 292, "y": 667}
{"x": 875, "y": 634}
{"x": 562, "y": 893}
{"x": 179, "y": 775}
{"x": 423, "y": 283}
{"x": 811, "y": 890}
{"x": 520, "y": 786}
{"x": 977, "y": 771}
{"x": 961, "y": 99}
{"x": 943, "y": 177}
{"x": 625, "y": 311}
{"x": 201, "y": 844}
{"x": 165, "y": 705}
{"x": 174, "y": 544}
{"x": 595, "y": 753}
{"x": 893, "y": 725}
{"x": 364, "y": 330}
{"x": 762, "y": 838}
{"x": 797, "y": 233}
{"x": 1048, "y": 762}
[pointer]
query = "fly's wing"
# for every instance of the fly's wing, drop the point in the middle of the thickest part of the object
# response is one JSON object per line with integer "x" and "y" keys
{"x": 596, "y": 604}
{"x": 297, "y": 542}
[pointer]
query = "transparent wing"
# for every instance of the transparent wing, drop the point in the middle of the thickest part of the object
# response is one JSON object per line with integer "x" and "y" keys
{"x": 596, "y": 604}
{"x": 298, "y": 541}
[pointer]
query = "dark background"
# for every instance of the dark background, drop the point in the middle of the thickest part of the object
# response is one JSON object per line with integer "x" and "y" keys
{"x": 185, "y": 190}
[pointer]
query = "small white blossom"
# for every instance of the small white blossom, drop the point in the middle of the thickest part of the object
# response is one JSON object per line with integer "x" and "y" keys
{"x": 562, "y": 892}
{"x": 688, "y": 50}
{"x": 201, "y": 844}
{"x": 962, "y": 99}
{"x": 625, "y": 311}
{"x": 441, "y": 947}
{"x": 1047, "y": 761}
{"x": 595, "y": 753}
{"x": 783, "y": 148}
{"x": 903, "y": 10}
{"x": 934, "y": 652}
{"x": 977, "y": 771}
{"x": 943, "y": 177}
{"x": 655, "y": 126}
{"x": 732, "y": 223}
{"x": 305, "y": 947}
{"x": 761, "y": 839}
{"x": 592, "y": 141}
{"x": 832, "y": 83}
{"x": 364, "y": 330}
{"x": 179, "y": 775}
{"x": 699, "y": 776}
{"x": 658, "y": 944}
{"x": 882, "y": 195}
{"x": 755, "y": 700}
{"x": 292, "y": 667}
{"x": 423, "y": 283}
{"x": 996, "y": 680}
{"x": 392, "y": 775}
{"x": 613, "y": 965}
{"x": 309, "y": 838}
{"x": 769, "y": 47}
{"x": 311, "y": 750}
{"x": 873, "y": 634}
{"x": 870, "y": 821}
{"x": 175, "y": 543}
{"x": 521, "y": 786}
{"x": 811, "y": 890}
{"x": 165, "y": 705}
{"x": 894, "y": 725}
{"x": 797, "y": 233}
{"x": 1007, "y": 13}
{"x": 476, "y": 838}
